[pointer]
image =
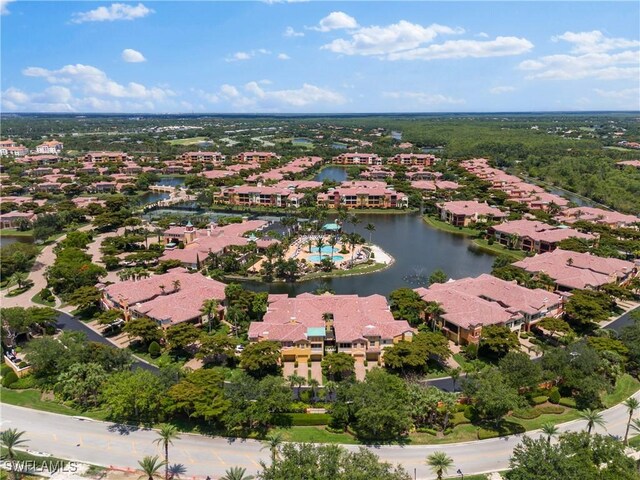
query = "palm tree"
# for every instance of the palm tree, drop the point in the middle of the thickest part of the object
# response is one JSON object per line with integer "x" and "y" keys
{"x": 19, "y": 278}
{"x": 370, "y": 228}
{"x": 313, "y": 384}
{"x": 454, "y": 373}
{"x": 635, "y": 425}
{"x": 333, "y": 240}
{"x": 440, "y": 463}
{"x": 593, "y": 418}
{"x": 165, "y": 436}
{"x": 329, "y": 388}
{"x": 296, "y": 380}
{"x": 550, "y": 430}
{"x": 236, "y": 473}
{"x": 209, "y": 308}
{"x": 10, "y": 439}
{"x": 309, "y": 244}
{"x": 320, "y": 243}
{"x": 632, "y": 405}
{"x": 273, "y": 442}
{"x": 150, "y": 466}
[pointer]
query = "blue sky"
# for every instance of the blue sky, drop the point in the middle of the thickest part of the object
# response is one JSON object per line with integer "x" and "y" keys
{"x": 281, "y": 57}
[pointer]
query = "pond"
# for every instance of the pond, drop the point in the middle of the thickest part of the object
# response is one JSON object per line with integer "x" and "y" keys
{"x": 417, "y": 248}
{"x": 9, "y": 239}
{"x": 151, "y": 197}
{"x": 336, "y": 174}
{"x": 170, "y": 181}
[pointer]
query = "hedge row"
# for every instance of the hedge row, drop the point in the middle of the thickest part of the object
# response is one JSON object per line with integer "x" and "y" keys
{"x": 308, "y": 419}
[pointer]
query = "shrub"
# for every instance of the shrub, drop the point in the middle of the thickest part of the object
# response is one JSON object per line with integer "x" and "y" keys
{"x": 483, "y": 434}
{"x": 491, "y": 241}
{"x": 554, "y": 396}
{"x": 428, "y": 430}
{"x": 298, "y": 407}
{"x": 469, "y": 412}
{"x": 539, "y": 400}
{"x": 154, "y": 349}
{"x": 459, "y": 419}
{"x": 567, "y": 402}
{"x": 305, "y": 396}
{"x": 4, "y": 369}
{"x": 471, "y": 351}
{"x": 526, "y": 413}
{"x": 551, "y": 409}
{"x": 330, "y": 429}
{"x": 461, "y": 407}
{"x": 308, "y": 419}
{"x": 28, "y": 381}
{"x": 23, "y": 365}
{"x": 9, "y": 379}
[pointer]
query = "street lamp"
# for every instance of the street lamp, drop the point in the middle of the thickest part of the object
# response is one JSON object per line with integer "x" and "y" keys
{"x": 459, "y": 472}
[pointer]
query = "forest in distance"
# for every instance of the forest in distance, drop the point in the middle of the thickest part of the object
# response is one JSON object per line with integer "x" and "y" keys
{"x": 577, "y": 152}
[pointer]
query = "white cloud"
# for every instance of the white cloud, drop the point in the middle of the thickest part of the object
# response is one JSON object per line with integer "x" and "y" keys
{"x": 602, "y": 66}
{"x": 632, "y": 94}
{"x": 592, "y": 59}
{"x": 132, "y": 56}
{"x": 499, "y": 47}
{"x": 336, "y": 21}
{"x": 253, "y": 96}
{"x": 3, "y": 7}
{"x": 84, "y": 88}
{"x": 116, "y": 11}
{"x": 397, "y": 37}
{"x": 283, "y": 56}
{"x": 241, "y": 56}
{"x": 501, "y": 89}
{"x": 290, "y": 32}
{"x": 425, "y": 98}
{"x": 482, "y": 35}
{"x": 594, "y": 42}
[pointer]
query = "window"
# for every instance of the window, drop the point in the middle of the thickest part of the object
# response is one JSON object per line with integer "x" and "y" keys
{"x": 344, "y": 345}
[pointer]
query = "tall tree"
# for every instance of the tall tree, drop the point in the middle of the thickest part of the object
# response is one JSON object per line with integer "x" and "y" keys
{"x": 166, "y": 434}
{"x": 592, "y": 417}
{"x": 632, "y": 405}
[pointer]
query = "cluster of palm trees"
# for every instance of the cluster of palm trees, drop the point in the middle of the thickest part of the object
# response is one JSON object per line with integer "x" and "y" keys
{"x": 134, "y": 273}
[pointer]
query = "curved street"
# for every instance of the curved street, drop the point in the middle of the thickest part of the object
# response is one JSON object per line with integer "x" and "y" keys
{"x": 108, "y": 444}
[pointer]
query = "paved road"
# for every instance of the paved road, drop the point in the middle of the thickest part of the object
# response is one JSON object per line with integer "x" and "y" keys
{"x": 104, "y": 444}
{"x": 69, "y": 322}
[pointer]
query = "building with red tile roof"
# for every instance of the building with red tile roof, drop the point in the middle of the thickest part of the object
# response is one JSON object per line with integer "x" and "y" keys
{"x": 573, "y": 270}
{"x": 598, "y": 215}
{"x": 202, "y": 157}
{"x": 424, "y": 159}
{"x": 434, "y": 185}
{"x": 461, "y": 213}
{"x": 106, "y": 157}
{"x": 171, "y": 298}
{"x": 199, "y": 243}
{"x": 53, "y": 147}
{"x": 534, "y": 236}
{"x": 469, "y": 304}
{"x": 260, "y": 157}
{"x": 363, "y": 194}
{"x": 310, "y": 326}
{"x": 629, "y": 163}
{"x": 357, "y": 159}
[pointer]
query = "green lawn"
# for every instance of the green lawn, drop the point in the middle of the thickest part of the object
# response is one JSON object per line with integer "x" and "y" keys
{"x": 625, "y": 387}
{"x": 497, "y": 249}
{"x": 32, "y": 398}
{"x": 447, "y": 227}
{"x": 314, "y": 435}
{"x": 187, "y": 141}
{"x": 536, "y": 423}
{"x": 38, "y": 299}
{"x": 12, "y": 232}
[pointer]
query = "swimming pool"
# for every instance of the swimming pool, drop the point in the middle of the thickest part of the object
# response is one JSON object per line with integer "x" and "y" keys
{"x": 325, "y": 249}
{"x": 318, "y": 258}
